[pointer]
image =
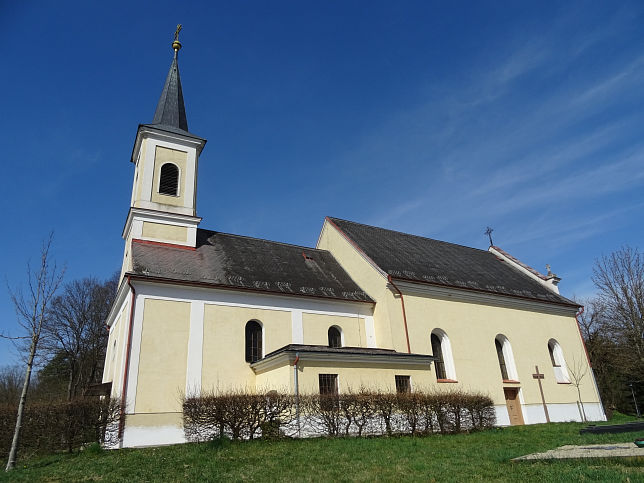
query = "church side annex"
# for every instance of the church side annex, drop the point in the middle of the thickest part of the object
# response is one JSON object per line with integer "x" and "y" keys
{"x": 200, "y": 310}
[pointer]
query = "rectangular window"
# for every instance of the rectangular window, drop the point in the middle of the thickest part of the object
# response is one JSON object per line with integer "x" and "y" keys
{"x": 403, "y": 384}
{"x": 328, "y": 384}
{"x": 329, "y": 392}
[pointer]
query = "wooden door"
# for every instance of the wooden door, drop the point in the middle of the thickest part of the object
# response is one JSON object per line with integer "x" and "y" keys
{"x": 514, "y": 405}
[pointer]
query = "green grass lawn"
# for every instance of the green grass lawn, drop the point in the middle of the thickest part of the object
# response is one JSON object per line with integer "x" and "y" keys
{"x": 479, "y": 456}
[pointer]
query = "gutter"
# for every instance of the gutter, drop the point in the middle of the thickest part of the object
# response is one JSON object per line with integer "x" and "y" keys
{"x": 127, "y": 364}
{"x": 402, "y": 303}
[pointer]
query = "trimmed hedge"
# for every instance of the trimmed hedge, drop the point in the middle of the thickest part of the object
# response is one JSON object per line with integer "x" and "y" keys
{"x": 60, "y": 425}
{"x": 241, "y": 415}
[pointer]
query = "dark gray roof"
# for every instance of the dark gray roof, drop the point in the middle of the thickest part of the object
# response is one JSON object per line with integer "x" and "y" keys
{"x": 419, "y": 259}
{"x": 344, "y": 350}
{"x": 171, "y": 111}
{"x": 240, "y": 262}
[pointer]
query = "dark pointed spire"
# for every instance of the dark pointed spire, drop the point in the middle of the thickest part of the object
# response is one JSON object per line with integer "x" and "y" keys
{"x": 171, "y": 111}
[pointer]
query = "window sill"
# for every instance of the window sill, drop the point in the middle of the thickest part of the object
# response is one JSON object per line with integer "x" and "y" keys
{"x": 510, "y": 381}
{"x": 564, "y": 382}
{"x": 446, "y": 381}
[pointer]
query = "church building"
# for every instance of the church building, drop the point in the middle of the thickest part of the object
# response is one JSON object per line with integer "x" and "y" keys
{"x": 201, "y": 311}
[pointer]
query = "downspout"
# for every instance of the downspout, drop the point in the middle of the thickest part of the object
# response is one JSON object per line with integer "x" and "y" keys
{"x": 297, "y": 394}
{"x": 592, "y": 371}
{"x": 127, "y": 365}
{"x": 402, "y": 303}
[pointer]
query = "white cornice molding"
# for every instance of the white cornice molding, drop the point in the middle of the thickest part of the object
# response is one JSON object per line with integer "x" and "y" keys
{"x": 166, "y": 136}
{"x": 476, "y": 297}
{"x": 119, "y": 300}
{"x": 331, "y": 358}
{"x": 229, "y": 296}
{"x": 153, "y": 216}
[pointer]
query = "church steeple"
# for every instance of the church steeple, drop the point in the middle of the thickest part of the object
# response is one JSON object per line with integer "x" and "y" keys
{"x": 171, "y": 111}
{"x": 166, "y": 156}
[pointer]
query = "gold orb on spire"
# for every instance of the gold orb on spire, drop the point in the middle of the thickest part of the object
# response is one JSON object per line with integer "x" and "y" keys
{"x": 176, "y": 45}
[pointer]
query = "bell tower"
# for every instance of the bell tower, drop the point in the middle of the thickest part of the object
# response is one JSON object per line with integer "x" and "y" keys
{"x": 163, "y": 208}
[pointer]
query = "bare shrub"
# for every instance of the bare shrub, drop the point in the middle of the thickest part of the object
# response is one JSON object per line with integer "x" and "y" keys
{"x": 241, "y": 415}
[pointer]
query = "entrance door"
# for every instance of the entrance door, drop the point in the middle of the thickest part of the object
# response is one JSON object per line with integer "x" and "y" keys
{"x": 513, "y": 404}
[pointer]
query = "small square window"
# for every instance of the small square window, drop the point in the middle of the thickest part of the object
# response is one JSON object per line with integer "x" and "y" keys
{"x": 403, "y": 384}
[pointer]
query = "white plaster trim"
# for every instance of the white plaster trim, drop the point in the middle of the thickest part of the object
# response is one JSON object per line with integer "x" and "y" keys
{"x": 563, "y": 412}
{"x": 370, "y": 331}
{"x": 232, "y": 298}
{"x": 139, "y": 215}
{"x": 476, "y": 297}
{"x": 297, "y": 328}
{"x": 137, "y": 436}
{"x": 135, "y": 353}
{"x": 195, "y": 350}
{"x": 388, "y": 360}
{"x": 119, "y": 302}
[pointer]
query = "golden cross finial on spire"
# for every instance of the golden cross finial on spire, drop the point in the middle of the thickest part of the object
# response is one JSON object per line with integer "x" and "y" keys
{"x": 176, "y": 45}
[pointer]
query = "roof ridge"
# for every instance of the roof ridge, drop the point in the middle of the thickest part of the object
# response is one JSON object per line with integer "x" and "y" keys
{"x": 262, "y": 239}
{"x": 410, "y": 234}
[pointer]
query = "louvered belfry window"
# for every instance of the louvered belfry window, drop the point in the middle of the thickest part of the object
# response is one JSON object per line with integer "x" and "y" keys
{"x": 253, "y": 341}
{"x": 169, "y": 180}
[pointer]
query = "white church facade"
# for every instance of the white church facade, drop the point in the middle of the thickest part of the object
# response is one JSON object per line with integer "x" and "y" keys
{"x": 200, "y": 310}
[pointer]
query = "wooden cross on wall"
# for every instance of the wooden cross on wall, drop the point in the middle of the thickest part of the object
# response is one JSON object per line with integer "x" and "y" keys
{"x": 538, "y": 376}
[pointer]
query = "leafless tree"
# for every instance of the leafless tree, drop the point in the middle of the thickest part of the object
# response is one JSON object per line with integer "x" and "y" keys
{"x": 620, "y": 280}
{"x": 77, "y": 330}
{"x": 10, "y": 382}
{"x": 577, "y": 372}
{"x": 33, "y": 310}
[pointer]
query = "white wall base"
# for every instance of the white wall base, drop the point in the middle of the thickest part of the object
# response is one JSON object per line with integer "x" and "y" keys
{"x": 559, "y": 413}
{"x": 137, "y": 436}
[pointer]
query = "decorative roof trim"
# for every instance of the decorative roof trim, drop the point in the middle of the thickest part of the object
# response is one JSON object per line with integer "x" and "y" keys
{"x": 462, "y": 294}
{"x": 287, "y": 355}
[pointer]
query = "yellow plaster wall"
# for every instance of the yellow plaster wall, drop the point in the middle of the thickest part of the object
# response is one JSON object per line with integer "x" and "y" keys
{"x": 316, "y": 328}
{"x": 372, "y": 282}
{"x": 163, "y": 357}
{"x": 472, "y": 328}
{"x": 162, "y": 156}
{"x": 356, "y": 376}
{"x": 161, "y": 231}
{"x": 224, "y": 364}
{"x": 279, "y": 379}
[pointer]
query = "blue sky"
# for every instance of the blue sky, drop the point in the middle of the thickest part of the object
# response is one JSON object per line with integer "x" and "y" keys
{"x": 437, "y": 119}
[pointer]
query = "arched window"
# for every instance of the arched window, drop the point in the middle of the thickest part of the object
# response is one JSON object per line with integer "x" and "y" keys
{"x": 558, "y": 362}
{"x": 335, "y": 336}
{"x": 169, "y": 180}
{"x": 442, "y": 351}
{"x": 253, "y": 341}
{"x": 499, "y": 354}
{"x": 506, "y": 358}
